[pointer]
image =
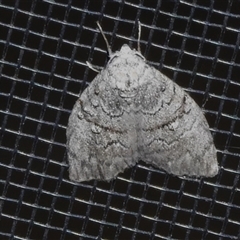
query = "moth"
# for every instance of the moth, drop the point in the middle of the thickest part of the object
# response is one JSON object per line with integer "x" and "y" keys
{"x": 133, "y": 112}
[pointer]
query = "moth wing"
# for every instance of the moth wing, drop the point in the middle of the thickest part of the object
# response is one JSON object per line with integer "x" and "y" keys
{"x": 175, "y": 135}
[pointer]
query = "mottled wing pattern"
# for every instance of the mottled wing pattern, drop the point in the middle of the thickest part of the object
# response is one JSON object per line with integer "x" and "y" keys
{"x": 132, "y": 112}
{"x": 101, "y": 139}
{"x": 174, "y": 133}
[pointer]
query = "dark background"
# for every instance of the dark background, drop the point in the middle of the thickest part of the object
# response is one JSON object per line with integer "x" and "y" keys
{"x": 44, "y": 46}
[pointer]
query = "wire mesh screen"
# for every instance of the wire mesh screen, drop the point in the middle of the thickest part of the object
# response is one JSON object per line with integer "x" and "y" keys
{"x": 44, "y": 46}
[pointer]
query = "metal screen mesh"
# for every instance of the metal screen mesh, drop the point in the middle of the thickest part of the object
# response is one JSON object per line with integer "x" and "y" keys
{"x": 44, "y": 46}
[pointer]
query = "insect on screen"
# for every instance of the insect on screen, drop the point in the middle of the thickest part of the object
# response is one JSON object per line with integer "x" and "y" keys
{"x": 44, "y": 47}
